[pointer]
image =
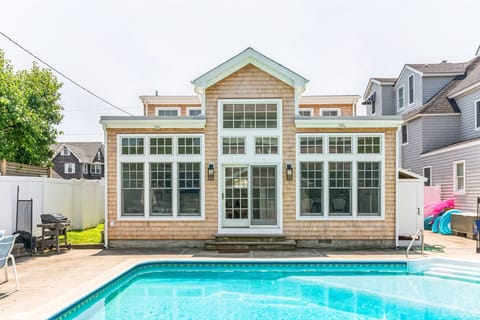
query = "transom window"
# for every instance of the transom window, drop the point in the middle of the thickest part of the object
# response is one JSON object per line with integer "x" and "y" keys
{"x": 189, "y": 145}
{"x": 266, "y": 145}
{"x": 340, "y": 145}
{"x": 311, "y": 145}
{"x": 368, "y": 145}
{"x": 132, "y": 146}
{"x": 161, "y": 145}
{"x": 261, "y": 115}
{"x": 233, "y": 145}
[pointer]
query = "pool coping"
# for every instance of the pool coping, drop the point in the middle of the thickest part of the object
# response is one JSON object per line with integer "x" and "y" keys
{"x": 98, "y": 283}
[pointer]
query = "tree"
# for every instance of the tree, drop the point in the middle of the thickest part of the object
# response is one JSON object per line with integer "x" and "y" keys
{"x": 29, "y": 112}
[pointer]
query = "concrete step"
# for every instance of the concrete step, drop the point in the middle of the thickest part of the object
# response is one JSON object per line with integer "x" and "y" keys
{"x": 249, "y": 238}
{"x": 245, "y": 245}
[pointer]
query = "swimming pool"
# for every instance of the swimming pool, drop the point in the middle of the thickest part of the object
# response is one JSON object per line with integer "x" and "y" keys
{"x": 278, "y": 290}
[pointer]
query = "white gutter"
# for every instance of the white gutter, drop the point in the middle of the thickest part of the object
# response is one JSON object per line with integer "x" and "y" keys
{"x": 105, "y": 173}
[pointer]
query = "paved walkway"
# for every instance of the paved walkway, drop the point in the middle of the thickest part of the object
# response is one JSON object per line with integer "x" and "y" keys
{"x": 51, "y": 281}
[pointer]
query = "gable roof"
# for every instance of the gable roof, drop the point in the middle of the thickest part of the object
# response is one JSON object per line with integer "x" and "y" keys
{"x": 84, "y": 151}
{"x": 379, "y": 81}
{"x": 443, "y": 102}
{"x": 439, "y": 68}
{"x": 249, "y": 56}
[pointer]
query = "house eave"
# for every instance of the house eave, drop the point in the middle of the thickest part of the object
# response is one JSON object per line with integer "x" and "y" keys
{"x": 329, "y": 99}
{"x": 466, "y": 90}
{"x": 421, "y": 115}
{"x": 110, "y": 122}
{"x": 348, "y": 122}
{"x": 249, "y": 56}
{"x": 170, "y": 100}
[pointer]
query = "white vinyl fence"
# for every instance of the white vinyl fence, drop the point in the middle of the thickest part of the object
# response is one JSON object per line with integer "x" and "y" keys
{"x": 82, "y": 201}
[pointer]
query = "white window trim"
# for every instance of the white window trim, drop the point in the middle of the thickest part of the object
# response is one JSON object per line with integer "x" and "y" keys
{"x": 192, "y": 108}
{"x": 413, "y": 92}
{"x": 353, "y": 157}
{"x": 455, "y": 186}
{"x": 397, "y": 95}
{"x": 84, "y": 168}
{"x": 339, "y": 111}
{"x": 250, "y": 158}
{"x": 146, "y": 159}
{"x": 401, "y": 134}
{"x": 178, "y": 109}
{"x": 67, "y": 165}
{"x": 431, "y": 175}
{"x": 65, "y": 149}
{"x": 476, "y": 105}
{"x": 312, "y": 111}
{"x": 94, "y": 171}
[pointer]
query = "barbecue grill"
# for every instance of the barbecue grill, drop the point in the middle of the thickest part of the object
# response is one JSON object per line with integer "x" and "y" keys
{"x": 53, "y": 226}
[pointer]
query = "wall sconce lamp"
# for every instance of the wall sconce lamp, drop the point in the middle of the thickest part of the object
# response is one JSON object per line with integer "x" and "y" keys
{"x": 289, "y": 171}
{"x": 211, "y": 171}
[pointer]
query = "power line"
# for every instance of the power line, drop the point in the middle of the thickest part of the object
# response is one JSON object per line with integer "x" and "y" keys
{"x": 64, "y": 75}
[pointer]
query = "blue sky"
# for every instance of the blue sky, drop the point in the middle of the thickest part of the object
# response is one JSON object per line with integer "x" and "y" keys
{"x": 123, "y": 49}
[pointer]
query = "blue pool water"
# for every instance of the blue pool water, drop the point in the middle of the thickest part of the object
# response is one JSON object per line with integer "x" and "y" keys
{"x": 278, "y": 291}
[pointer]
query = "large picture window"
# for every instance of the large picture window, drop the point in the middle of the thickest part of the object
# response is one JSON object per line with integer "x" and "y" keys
{"x": 132, "y": 189}
{"x": 340, "y": 188}
{"x": 345, "y": 181}
{"x": 165, "y": 182}
{"x": 368, "y": 184}
{"x": 189, "y": 189}
{"x": 161, "y": 189}
{"x": 311, "y": 188}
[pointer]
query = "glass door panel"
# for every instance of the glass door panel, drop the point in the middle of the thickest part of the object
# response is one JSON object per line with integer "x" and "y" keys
{"x": 235, "y": 197}
{"x": 264, "y": 195}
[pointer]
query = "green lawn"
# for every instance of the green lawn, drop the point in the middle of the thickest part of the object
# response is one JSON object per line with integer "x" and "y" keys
{"x": 89, "y": 236}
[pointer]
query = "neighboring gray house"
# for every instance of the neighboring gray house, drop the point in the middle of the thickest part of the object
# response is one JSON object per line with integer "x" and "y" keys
{"x": 79, "y": 160}
{"x": 440, "y": 136}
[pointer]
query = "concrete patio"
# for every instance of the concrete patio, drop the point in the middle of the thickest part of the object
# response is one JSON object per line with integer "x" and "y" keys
{"x": 50, "y": 282}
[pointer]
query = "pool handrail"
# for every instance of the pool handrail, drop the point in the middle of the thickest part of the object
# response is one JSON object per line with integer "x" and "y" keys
{"x": 420, "y": 234}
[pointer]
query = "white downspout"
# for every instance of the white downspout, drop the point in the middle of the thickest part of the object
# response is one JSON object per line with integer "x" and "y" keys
{"x": 397, "y": 166}
{"x": 105, "y": 174}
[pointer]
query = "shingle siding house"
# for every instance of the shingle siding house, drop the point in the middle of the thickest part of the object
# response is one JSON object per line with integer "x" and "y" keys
{"x": 255, "y": 158}
{"x": 79, "y": 160}
{"x": 440, "y": 136}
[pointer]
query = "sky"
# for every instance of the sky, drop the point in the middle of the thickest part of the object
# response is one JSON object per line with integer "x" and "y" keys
{"x": 123, "y": 49}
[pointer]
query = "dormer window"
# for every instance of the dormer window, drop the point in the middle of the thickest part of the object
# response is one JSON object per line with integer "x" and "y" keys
{"x": 193, "y": 112}
{"x": 65, "y": 151}
{"x": 400, "y": 100}
{"x": 168, "y": 112}
{"x": 330, "y": 112}
{"x": 305, "y": 112}
{"x": 411, "y": 89}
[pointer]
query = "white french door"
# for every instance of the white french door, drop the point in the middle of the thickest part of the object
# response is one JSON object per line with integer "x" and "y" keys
{"x": 249, "y": 196}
